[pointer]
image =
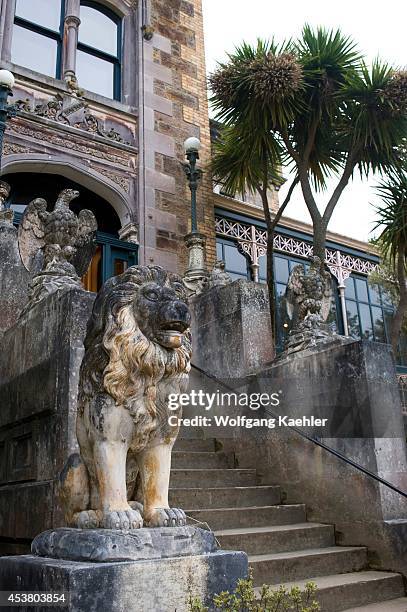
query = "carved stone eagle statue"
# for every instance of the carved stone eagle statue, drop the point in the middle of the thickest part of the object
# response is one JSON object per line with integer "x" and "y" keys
{"x": 58, "y": 240}
{"x": 308, "y": 295}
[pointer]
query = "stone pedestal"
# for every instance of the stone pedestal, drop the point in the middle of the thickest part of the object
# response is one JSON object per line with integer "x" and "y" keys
{"x": 231, "y": 329}
{"x": 145, "y": 570}
{"x": 39, "y": 372}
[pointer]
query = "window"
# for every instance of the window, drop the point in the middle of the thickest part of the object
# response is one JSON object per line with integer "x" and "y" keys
{"x": 37, "y": 36}
{"x": 38, "y": 43}
{"x": 366, "y": 310}
{"x": 98, "y": 61}
{"x": 236, "y": 264}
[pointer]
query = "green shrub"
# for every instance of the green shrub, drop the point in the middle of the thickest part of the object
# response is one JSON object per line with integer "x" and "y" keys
{"x": 245, "y": 599}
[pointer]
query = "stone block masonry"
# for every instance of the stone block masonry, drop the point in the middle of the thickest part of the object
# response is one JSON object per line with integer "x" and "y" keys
{"x": 175, "y": 73}
{"x": 39, "y": 368}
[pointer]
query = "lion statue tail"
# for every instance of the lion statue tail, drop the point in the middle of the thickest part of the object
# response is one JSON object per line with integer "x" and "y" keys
{"x": 74, "y": 490}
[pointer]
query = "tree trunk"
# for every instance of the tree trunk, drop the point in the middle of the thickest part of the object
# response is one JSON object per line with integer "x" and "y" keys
{"x": 271, "y": 225}
{"x": 269, "y": 258}
{"x": 401, "y": 309}
{"x": 319, "y": 239}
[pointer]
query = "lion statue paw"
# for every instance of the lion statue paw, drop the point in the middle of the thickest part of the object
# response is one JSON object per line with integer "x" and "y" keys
{"x": 166, "y": 517}
{"x": 87, "y": 519}
{"x": 122, "y": 519}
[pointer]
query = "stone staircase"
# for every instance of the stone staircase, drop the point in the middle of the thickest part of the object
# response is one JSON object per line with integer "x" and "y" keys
{"x": 283, "y": 547}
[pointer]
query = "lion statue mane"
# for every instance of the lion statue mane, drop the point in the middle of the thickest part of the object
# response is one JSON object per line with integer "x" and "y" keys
{"x": 137, "y": 353}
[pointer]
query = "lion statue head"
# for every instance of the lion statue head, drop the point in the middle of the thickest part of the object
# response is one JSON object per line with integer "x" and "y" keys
{"x": 137, "y": 336}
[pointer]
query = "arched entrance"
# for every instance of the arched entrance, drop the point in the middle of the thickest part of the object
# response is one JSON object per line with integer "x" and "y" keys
{"x": 113, "y": 255}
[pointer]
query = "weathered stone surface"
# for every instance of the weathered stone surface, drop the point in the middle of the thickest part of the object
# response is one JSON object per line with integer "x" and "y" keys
{"x": 163, "y": 585}
{"x": 39, "y": 372}
{"x": 14, "y": 278}
{"x": 231, "y": 329}
{"x": 356, "y": 387}
{"x": 103, "y": 545}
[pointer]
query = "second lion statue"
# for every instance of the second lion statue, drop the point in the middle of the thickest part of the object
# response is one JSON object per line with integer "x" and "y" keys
{"x": 137, "y": 353}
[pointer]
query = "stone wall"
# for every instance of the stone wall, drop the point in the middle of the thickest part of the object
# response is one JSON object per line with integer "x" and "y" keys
{"x": 39, "y": 367}
{"x": 14, "y": 278}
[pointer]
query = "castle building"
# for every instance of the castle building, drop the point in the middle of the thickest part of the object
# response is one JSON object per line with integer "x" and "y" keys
{"x": 106, "y": 93}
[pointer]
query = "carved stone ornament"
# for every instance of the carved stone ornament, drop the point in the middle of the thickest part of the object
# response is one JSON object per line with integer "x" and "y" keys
{"x": 71, "y": 109}
{"x": 137, "y": 353}
{"x": 55, "y": 246}
{"x": 308, "y": 302}
{"x": 6, "y": 214}
{"x": 218, "y": 277}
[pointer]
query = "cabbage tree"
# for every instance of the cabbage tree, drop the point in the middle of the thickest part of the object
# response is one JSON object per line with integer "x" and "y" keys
{"x": 312, "y": 105}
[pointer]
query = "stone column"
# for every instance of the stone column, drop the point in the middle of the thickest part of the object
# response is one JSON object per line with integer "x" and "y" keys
{"x": 7, "y": 10}
{"x": 72, "y": 23}
{"x": 341, "y": 289}
{"x": 341, "y": 274}
{"x": 196, "y": 275}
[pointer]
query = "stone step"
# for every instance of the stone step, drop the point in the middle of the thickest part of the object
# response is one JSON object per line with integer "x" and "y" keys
{"x": 339, "y": 591}
{"x": 192, "y": 433}
{"x": 188, "y": 459}
{"x": 277, "y": 539}
{"x": 393, "y": 605}
{"x": 191, "y": 444}
{"x": 255, "y": 516}
{"x": 212, "y": 478}
{"x": 224, "y": 497}
{"x": 299, "y": 564}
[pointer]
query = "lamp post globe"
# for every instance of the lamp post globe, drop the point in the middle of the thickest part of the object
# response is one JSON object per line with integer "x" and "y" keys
{"x": 7, "y": 79}
{"x": 192, "y": 144}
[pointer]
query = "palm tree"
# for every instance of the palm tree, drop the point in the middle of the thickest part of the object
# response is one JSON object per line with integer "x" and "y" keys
{"x": 248, "y": 160}
{"x": 392, "y": 220}
{"x": 312, "y": 105}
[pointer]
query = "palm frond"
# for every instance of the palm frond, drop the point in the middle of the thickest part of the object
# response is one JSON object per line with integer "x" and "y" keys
{"x": 392, "y": 215}
{"x": 239, "y": 158}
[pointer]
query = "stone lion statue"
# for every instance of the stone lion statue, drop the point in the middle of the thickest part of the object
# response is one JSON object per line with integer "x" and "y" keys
{"x": 137, "y": 352}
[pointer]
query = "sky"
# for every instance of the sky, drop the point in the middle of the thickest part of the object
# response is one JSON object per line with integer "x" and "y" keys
{"x": 379, "y": 28}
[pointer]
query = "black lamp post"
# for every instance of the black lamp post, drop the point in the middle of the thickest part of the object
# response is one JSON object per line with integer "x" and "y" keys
{"x": 192, "y": 146}
{"x": 196, "y": 275}
{"x": 6, "y": 86}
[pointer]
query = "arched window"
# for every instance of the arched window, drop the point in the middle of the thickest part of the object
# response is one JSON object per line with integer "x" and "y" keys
{"x": 98, "y": 61}
{"x": 40, "y": 43}
{"x": 38, "y": 35}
